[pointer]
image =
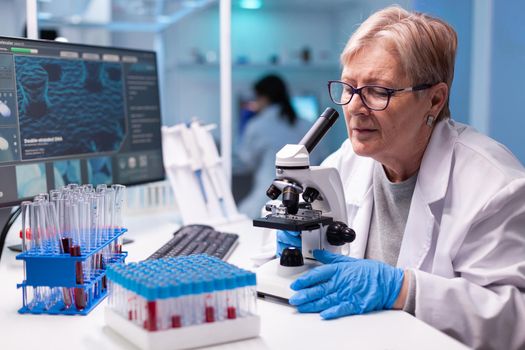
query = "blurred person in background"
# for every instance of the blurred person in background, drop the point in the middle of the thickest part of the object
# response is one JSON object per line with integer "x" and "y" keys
{"x": 274, "y": 125}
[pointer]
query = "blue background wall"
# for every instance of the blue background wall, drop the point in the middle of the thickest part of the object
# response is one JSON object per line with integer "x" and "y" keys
{"x": 459, "y": 15}
{"x": 507, "y": 69}
{"x": 498, "y": 97}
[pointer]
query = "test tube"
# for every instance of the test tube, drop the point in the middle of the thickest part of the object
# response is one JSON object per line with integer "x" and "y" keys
{"x": 71, "y": 222}
{"x": 241, "y": 294}
{"x": 252, "y": 293}
{"x": 101, "y": 216}
{"x": 51, "y": 224}
{"x": 176, "y": 312}
{"x": 79, "y": 293}
{"x": 26, "y": 230}
{"x": 95, "y": 213}
{"x": 186, "y": 301}
{"x": 34, "y": 228}
{"x": 220, "y": 296}
{"x": 25, "y": 234}
{"x": 72, "y": 186}
{"x": 60, "y": 207}
{"x": 66, "y": 297}
{"x": 209, "y": 301}
{"x": 42, "y": 225}
{"x": 231, "y": 297}
{"x": 87, "y": 188}
{"x": 110, "y": 209}
{"x": 101, "y": 187}
{"x": 84, "y": 218}
{"x": 120, "y": 193}
{"x": 163, "y": 305}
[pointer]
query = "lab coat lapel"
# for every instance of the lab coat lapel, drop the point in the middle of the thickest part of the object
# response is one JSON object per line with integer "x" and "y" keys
{"x": 426, "y": 207}
{"x": 417, "y": 238}
{"x": 359, "y": 198}
{"x": 361, "y": 224}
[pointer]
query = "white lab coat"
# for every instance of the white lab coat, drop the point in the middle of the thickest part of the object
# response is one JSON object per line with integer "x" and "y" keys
{"x": 464, "y": 237}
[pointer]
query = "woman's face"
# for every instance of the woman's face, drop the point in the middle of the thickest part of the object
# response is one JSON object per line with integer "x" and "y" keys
{"x": 260, "y": 103}
{"x": 392, "y": 134}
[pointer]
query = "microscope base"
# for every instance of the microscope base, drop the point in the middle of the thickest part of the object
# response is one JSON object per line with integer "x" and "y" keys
{"x": 273, "y": 280}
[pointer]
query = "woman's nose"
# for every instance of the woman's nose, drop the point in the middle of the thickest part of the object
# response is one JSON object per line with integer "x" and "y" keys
{"x": 356, "y": 105}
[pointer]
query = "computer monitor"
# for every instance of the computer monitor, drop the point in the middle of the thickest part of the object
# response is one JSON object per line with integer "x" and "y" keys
{"x": 306, "y": 107}
{"x": 76, "y": 114}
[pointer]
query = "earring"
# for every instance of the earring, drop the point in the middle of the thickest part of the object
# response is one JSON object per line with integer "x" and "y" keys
{"x": 430, "y": 120}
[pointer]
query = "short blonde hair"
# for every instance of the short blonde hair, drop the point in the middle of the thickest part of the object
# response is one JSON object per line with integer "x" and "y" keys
{"x": 426, "y": 45}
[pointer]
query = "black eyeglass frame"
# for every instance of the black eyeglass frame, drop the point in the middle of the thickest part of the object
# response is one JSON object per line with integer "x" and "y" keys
{"x": 389, "y": 92}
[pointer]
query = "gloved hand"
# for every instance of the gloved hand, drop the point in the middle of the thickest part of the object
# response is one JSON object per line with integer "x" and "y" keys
{"x": 346, "y": 286}
{"x": 286, "y": 239}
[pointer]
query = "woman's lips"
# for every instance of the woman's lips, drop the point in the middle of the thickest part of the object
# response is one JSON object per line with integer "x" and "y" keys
{"x": 363, "y": 132}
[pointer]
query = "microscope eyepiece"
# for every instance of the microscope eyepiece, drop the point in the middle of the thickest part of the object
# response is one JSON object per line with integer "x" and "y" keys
{"x": 319, "y": 129}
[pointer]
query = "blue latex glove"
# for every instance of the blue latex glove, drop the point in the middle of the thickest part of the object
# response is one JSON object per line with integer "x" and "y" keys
{"x": 287, "y": 239}
{"x": 346, "y": 286}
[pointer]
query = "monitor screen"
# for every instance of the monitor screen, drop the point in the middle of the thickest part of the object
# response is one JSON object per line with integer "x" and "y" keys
{"x": 306, "y": 107}
{"x": 76, "y": 114}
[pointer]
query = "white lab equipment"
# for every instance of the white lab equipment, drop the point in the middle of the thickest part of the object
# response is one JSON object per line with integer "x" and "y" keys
{"x": 196, "y": 174}
{"x": 321, "y": 218}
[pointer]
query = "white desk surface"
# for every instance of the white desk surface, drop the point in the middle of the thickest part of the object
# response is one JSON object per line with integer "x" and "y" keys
{"x": 281, "y": 326}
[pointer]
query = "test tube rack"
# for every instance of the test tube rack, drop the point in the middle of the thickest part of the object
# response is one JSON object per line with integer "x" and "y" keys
{"x": 182, "y": 302}
{"x": 48, "y": 267}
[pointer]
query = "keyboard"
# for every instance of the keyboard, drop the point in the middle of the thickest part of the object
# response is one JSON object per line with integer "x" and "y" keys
{"x": 198, "y": 239}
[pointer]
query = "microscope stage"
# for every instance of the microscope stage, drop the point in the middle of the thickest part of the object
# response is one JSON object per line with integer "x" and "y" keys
{"x": 291, "y": 224}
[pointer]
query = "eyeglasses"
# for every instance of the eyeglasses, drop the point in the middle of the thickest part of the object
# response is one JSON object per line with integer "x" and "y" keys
{"x": 374, "y": 97}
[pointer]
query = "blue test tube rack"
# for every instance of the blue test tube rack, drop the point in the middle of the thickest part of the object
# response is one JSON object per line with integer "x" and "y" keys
{"x": 48, "y": 267}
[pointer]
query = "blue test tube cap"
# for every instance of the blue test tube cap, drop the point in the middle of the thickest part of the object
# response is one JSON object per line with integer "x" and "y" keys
{"x": 123, "y": 279}
{"x": 185, "y": 288}
{"x": 231, "y": 282}
{"x": 164, "y": 290}
{"x": 252, "y": 279}
{"x": 126, "y": 281}
{"x": 240, "y": 279}
{"x": 219, "y": 283}
{"x": 175, "y": 290}
{"x": 207, "y": 285}
{"x": 152, "y": 292}
{"x": 139, "y": 289}
{"x": 110, "y": 273}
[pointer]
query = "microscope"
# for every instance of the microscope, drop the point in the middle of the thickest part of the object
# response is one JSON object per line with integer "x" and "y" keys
{"x": 320, "y": 217}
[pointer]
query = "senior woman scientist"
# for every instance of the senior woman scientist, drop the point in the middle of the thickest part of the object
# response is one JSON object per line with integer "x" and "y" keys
{"x": 439, "y": 209}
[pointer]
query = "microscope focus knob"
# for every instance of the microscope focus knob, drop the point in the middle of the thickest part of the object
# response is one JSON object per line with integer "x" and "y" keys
{"x": 338, "y": 233}
{"x": 292, "y": 256}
